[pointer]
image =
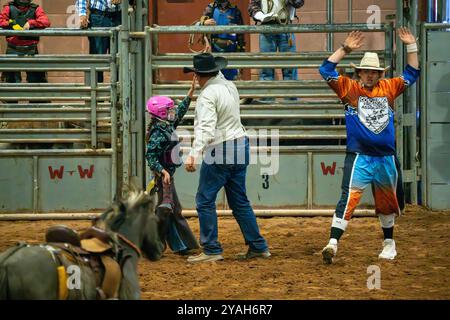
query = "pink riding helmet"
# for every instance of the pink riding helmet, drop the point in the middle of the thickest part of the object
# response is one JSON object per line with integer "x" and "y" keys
{"x": 158, "y": 106}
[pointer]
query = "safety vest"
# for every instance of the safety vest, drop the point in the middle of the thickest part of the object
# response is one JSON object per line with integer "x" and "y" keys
{"x": 224, "y": 18}
{"x": 22, "y": 17}
{"x": 278, "y": 8}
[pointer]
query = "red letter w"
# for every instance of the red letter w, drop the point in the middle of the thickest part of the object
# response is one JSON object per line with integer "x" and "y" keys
{"x": 56, "y": 173}
{"x": 327, "y": 169}
{"x": 86, "y": 172}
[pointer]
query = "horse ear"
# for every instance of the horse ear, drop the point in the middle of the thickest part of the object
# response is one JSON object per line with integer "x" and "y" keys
{"x": 142, "y": 199}
{"x": 134, "y": 185}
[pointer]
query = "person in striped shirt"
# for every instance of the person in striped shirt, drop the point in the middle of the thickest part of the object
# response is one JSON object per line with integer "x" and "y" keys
{"x": 99, "y": 14}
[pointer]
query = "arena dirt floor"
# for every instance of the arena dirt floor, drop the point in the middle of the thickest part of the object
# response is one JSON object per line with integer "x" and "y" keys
{"x": 295, "y": 271}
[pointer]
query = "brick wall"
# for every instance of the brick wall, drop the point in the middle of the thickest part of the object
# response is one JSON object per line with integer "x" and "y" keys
{"x": 186, "y": 13}
{"x": 315, "y": 12}
{"x": 58, "y": 12}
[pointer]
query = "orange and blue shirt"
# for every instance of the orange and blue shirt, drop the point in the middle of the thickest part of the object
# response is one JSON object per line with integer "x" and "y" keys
{"x": 369, "y": 114}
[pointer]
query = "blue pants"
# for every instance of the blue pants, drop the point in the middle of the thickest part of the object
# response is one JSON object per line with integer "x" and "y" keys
{"x": 231, "y": 176}
{"x": 100, "y": 45}
{"x": 173, "y": 227}
{"x": 282, "y": 42}
{"x": 229, "y": 74}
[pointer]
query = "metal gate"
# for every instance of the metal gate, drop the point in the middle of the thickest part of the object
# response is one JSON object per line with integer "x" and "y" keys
{"x": 59, "y": 140}
{"x": 435, "y": 115}
{"x": 309, "y": 134}
{"x": 92, "y": 162}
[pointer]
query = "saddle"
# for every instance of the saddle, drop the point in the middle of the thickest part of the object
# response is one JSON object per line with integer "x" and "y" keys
{"x": 93, "y": 245}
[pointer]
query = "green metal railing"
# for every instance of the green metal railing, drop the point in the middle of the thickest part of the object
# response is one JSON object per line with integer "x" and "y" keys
{"x": 297, "y": 123}
{"x": 90, "y": 108}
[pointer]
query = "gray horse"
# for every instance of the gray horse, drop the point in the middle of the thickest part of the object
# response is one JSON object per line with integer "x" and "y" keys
{"x": 29, "y": 272}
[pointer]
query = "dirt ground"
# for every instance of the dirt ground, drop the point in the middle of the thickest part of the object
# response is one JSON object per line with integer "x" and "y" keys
{"x": 295, "y": 271}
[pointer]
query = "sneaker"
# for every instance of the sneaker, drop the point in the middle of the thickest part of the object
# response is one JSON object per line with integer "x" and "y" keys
{"x": 252, "y": 254}
{"x": 202, "y": 257}
{"x": 329, "y": 252}
{"x": 389, "y": 251}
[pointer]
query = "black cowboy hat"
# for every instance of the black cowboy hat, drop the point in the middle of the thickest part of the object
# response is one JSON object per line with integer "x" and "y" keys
{"x": 206, "y": 63}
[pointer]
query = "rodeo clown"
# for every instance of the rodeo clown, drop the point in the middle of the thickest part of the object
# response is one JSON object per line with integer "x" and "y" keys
{"x": 371, "y": 153}
{"x": 223, "y": 13}
{"x": 23, "y": 15}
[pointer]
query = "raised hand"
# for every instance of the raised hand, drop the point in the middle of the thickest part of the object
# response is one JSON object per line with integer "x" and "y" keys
{"x": 354, "y": 40}
{"x": 193, "y": 86}
{"x": 406, "y": 36}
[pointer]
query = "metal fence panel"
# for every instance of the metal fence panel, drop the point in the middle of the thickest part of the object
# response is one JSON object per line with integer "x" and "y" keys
{"x": 16, "y": 180}
{"x": 437, "y": 115}
{"x": 76, "y": 184}
{"x": 286, "y": 188}
{"x": 328, "y": 170}
{"x": 307, "y": 128}
{"x": 187, "y": 184}
{"x": 77, "y": 173}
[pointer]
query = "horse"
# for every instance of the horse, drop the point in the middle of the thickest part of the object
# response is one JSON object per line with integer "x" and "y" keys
{"x": 40, "y": 272}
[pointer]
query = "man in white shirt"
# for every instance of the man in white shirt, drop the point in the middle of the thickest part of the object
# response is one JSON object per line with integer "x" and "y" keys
{"x": 219, "y": 133}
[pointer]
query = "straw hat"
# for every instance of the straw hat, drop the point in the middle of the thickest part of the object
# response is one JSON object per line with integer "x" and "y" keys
{"x": 370, "y": 61}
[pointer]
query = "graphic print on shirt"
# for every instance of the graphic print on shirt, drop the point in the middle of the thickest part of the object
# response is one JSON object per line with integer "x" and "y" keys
{"x": 374, "y": 113}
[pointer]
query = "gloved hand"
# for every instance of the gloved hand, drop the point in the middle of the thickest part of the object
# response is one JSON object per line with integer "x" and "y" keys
{"x": 260, "y": 16}
{"x": 13, "y": 25}
{"x": 150, "y": 186}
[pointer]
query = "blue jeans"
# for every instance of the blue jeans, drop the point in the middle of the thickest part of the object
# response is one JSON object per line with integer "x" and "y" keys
{"x": 100, "y": 45}
{"x": 231, "y": 176}
{"x": 282, "y": 42}
{"x": 174, "y": 240}
{"x": 229, "y": 74}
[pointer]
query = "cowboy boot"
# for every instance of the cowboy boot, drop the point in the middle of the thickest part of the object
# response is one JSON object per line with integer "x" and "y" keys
{"x": 166, "y": 205}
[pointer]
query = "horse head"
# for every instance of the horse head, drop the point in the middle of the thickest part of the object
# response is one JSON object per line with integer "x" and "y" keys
{"x": 133, "y": 218}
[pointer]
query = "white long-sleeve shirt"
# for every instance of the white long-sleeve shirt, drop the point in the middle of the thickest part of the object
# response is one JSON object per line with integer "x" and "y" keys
{"x": 217, "y": 115}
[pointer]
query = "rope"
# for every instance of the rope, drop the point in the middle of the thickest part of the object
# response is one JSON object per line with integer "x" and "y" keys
{"x": 204, "y": 39}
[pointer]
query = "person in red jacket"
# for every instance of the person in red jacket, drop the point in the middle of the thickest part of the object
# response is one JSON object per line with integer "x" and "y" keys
{"x": 23, "y": 15}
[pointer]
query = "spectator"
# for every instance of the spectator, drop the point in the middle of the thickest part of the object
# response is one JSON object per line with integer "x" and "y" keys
{"x": 99, "y": 14}
{"x": 223, "y": 13}
{"x": 23, "y": 15}
{"x": 269, "y": 12}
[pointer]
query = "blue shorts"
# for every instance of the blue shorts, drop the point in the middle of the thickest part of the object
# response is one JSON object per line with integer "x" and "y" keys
{"x": 382, "y": 173}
